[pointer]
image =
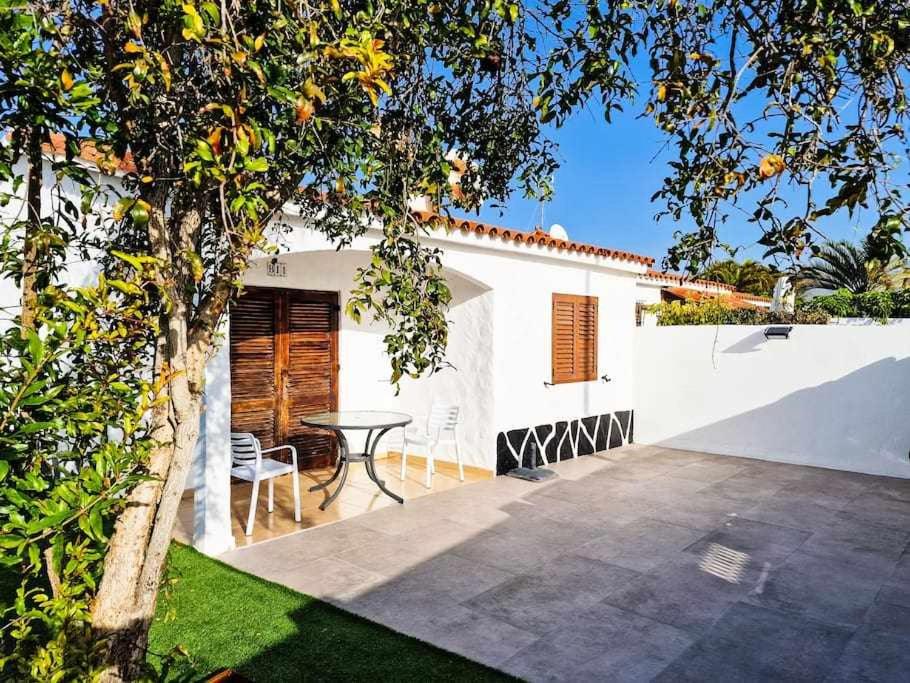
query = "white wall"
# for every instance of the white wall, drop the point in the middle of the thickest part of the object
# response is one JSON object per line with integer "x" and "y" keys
{"x": 829, "y": 396}
{"x": 500, "y": 338}
{"x": 77, "y": 273}
{"x": 523, "y": 340}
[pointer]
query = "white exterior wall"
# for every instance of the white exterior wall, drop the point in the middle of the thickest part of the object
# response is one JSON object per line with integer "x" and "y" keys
{"x": 499, "y": 336}
{"x": 829, "y": 396}
{"x": 77, "y": 273}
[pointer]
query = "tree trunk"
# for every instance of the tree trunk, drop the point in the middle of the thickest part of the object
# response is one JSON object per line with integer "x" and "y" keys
{"x": 125, "y": 604}
{"x": 32, "y": 230}
{"x": 128, "y": 594}
{"x": 126, "y": 600}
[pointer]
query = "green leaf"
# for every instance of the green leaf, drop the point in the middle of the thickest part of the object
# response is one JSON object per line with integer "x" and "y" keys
{"x": 35, "y": 347}
{"x": 256, "y": 164}
{"x": 33, "y": 427}
{"x": 204, "y": 150}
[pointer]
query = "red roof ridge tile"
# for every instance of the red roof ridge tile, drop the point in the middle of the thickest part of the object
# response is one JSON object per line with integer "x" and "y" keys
{"x": 752, "y": 297}
{"x": 538, "y": 236}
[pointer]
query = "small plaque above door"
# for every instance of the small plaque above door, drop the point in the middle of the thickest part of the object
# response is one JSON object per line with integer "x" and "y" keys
{"x": 276, "y": 268}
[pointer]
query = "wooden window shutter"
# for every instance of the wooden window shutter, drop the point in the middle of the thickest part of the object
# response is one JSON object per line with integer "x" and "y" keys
{"x": 574, "y": 330}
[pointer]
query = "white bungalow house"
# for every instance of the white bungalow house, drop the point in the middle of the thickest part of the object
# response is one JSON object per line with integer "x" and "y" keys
{"x": 542, "y": 340}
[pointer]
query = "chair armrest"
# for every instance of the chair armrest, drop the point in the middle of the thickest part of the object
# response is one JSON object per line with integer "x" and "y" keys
{"x": 278, "y": 448}
{"x": 288, "y": 447}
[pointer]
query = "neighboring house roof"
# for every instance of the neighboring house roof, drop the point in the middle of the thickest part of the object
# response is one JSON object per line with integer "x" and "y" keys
{"x": 755, "y": 298}
{"x": 731, "y": 299}
{"x": 90, "y": 153}
{"x": 683, "y": 281}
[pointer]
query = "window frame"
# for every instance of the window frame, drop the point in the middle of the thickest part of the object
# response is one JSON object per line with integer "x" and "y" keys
{"x": 578, "y": 371}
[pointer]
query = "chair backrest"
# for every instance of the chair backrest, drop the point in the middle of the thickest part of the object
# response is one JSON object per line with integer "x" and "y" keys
{"x": 443, "y": 418}
{"x": 245, "y": 448}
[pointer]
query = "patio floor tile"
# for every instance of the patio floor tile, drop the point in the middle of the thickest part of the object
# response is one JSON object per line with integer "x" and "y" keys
{"x": 902, "y": 570}
{"x": 881, "y": 509}
{"x": 708, "y": 472}
{"x": 600, "y": 643}
{"x": 662, "y": 490}
{"x": 477, "y": 636}
{"x": 552, "y": 592}
{"x": 705, "y": 511}
{"x": 289, "y": 551}
{"x": 671, "y": 456}
{"x": 872, "y": 656}
{"x": 739, "y": 570}
{"x": 820, "y": 590}
{"x": 558, "y": 533}
{"x": 685, "y": 593}
{"x": 641, "y": 545}
{"x": 887, "y": 617}
{"x": 755, "y": 644}
{"x": 517, "y": 553}
{"x": 779, "y": 472}
{"x": 793, "y": 512}
{"x": 744, "y": 487}
{"x": 330, "y": 579}
{"x": 895, "y": 593}
{"x": 451, "y": 576}
{"x": 638, "y": 470}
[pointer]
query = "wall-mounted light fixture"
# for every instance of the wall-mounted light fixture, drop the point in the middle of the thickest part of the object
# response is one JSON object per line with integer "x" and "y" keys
{"x": 778, "y": 332}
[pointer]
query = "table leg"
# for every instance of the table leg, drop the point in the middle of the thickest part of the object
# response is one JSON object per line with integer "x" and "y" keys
{"x": 341, "y": 460}
{"x": 343, "y": 465}
{"x": 371, "y": 467}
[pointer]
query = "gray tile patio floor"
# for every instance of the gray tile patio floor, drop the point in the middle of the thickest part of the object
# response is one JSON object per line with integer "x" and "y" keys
{"x": 637, "y": 564}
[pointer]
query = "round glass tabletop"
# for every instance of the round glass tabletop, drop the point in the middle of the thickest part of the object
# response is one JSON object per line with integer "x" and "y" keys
{"x": 356, "y": 419}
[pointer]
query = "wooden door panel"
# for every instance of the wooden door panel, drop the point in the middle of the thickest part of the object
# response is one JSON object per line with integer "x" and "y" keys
{"x": 312, "y": 372}
{"x": 252, "y": 348}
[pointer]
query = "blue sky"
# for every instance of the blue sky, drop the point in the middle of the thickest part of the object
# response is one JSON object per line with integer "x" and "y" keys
{"x": 604, "y": 186}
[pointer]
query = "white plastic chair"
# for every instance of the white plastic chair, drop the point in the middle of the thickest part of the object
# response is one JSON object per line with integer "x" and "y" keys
{"x": 439, "y": 430}
{"x": 248, "y": 464}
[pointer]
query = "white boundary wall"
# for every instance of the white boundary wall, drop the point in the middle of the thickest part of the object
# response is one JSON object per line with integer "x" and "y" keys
{"x": 829, "y": 396}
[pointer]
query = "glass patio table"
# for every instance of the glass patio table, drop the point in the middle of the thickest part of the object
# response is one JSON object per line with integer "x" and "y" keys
{"x": 368, "y": 420}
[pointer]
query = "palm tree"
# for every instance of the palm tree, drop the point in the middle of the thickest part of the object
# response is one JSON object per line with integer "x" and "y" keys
{"x": 844, "y": 265}
{"x": 749, "y": 276}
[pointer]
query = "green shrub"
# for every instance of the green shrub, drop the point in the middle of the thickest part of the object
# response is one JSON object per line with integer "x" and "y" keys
{"x": 840, "y": 304}
{"x": 717, "y": 312}
{"x": 876, "y": 305}
{"x": 900, "y": 301}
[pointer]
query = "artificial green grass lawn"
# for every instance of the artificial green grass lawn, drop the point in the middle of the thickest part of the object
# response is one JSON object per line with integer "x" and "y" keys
{"x": 224, "y": 618}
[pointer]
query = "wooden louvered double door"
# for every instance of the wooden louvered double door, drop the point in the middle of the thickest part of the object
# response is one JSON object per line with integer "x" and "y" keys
{"x": 284, "y": 364}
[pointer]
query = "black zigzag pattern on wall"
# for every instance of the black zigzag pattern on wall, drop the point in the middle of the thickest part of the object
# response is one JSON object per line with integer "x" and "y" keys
{"x": 558, "y": 441}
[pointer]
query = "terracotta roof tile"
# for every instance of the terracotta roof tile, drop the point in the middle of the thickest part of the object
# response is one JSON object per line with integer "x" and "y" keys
{"x": 733, "y": 299}
{"x": 467, "y": 225}
{"x": 682, "y": 280}
{"x": 89, "y": 152}
{"x": 752, "y": 297}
